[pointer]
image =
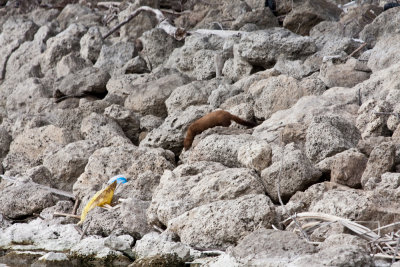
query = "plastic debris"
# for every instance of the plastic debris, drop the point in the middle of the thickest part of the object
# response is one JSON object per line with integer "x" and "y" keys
{"x": 100, "y": 199}
{"x": 119, "y": 178}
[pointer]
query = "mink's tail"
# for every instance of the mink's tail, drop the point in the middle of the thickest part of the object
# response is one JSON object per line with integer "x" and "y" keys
{"x": 243, "y": 122}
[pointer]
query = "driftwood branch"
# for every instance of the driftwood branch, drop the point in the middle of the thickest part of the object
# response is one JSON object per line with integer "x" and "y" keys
{"x": 358, "y": 49}
{"x": 177, "y": 33}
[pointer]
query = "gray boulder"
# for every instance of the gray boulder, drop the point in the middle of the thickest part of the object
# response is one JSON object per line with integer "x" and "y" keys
{"x": 73, "y": 13}
{"x": 194, "y": 93}
{"x": 196, "y": 57}
{"x": 91, "y": 44}
{"x": 102, "y": 129}
{"x": 29, "y": 97}
{"x": 222, "y": 147}
{"x": 329, "y": 135}
{"x": 223, "y": 223}
{"x": 158, "y": 46}
{"x": 385, "y": 23}
{"x": 384, "y": 54}
{"x": 127, "y": 119}
{"x": 153, "y": 244}
{"x": 149, "y": 98}
{"x": 88, "y": 81}
{"x": 71, "y": 63}
{"x": 381, "y": 160}
{"x": 14, "y": 32}
{"x": 342, "y": 74}
{"x": 262, "y": 17}
{"x": 66, "y": 164}
{"x": 171, "y": 133}
{"x": 266, "y": 247}
{"x": 295, "y": 173}
{"x": 262, "y": 48}
{"x": 192, "y": 185}
{"x": 307, "y": 14}
{"x": 61, "y": 45}
{"x": 29, "y": 148}
{"x": 114, "y": 57}
{"x": 25, "y": 199}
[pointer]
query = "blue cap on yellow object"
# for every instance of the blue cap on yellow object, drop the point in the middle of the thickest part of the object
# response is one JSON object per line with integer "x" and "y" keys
{"x": 119, "y": 178}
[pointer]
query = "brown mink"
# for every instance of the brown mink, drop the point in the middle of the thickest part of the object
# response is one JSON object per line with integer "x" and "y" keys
{"x": 216, "y": 118}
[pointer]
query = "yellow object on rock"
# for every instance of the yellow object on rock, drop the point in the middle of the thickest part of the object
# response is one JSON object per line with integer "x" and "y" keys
{"x": 100, "y": 199}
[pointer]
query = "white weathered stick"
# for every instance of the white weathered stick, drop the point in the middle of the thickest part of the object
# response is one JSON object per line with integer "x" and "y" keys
{"x": 177, "y": 33}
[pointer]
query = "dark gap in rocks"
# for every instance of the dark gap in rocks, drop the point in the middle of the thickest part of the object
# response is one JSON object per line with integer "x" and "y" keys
{"x": 256, "y": 69}
{"x": 325, "y": 177}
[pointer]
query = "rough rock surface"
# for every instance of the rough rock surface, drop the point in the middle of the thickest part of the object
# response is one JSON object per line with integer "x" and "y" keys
{"x": 319, "y": 79}
{"x": 223, "y": 222}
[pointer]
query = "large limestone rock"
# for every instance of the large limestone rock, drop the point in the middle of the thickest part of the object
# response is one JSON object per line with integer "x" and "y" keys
{"x": 29, "y": 97}
{"x": 266, "y": 247}
{"x": 223, "y": 223}
{"x": 153, "y": 244}
{"x": 73, "y": 13}
{"x": 385, "y": 23}
{"x": 277, "y": 93}
{"x": 338, "y": 101}
{"x": 129, "y": 219}
{"x": 262, "y": 48}
{"x": 191, "y": 94}
{"x": 295, "y": 173}
{"x": 346, "y": 167}
{"x": 91, "y": 44}
{"x": 102, "y": 129}
{"x": 381, "y": 160}
{"x": 28, "y": 149}
{"x": 25, "y": 199}
{"x": 127, "y": 119}
{"x": 261, "y": 17}
{"x": 88, "y": 81}
{"x": 14, "y": 32}
{"x": 222, "y": 148}
{"x": 114, "y": 57}
{"x": 307, "y": 14}
{"x": 329, "y": 135}
{"x": 149, "y": 98}
{"x": 193, "y": 185}
{"x": 342, "y": 74}
{"x": 196, "y": 57}
{"x": 157, "y": 46}
{"x": 71, "y": 63}
{"x": 67, "y": 163}
{"x": 60, "y": 45}
{"x": 23, "y": 62}
{"x": 384, "y": 54}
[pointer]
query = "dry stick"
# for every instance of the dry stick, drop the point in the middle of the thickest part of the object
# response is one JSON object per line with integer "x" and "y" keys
{"x": 177, "y": 33}
{"x": 281, "y": 202}
{"x": 66, "y": 215}
{"x": 76, "y": 205}
{"x": 358, "y": 49}
{"x": 85, "y": 230}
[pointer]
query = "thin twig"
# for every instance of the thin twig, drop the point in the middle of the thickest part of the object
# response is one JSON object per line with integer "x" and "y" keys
{"x": 85, "y": 230}
{"x": 66, "y": 215}
{"x": 76, "y": 205}
{"x": 358, "y": 49}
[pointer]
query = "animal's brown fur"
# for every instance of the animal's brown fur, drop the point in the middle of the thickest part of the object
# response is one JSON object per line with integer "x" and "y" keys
{"x": 216, "y": 118}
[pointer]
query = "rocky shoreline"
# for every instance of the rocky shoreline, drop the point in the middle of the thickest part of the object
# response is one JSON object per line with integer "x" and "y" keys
{"x": 320, "y": 78}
